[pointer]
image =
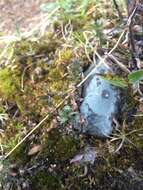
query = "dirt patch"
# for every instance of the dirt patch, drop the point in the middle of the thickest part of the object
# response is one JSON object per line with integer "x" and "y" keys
{"x": 17, "y": 14}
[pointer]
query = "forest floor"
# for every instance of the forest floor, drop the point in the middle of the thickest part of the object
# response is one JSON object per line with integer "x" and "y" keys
{"x": 42, "y": 62}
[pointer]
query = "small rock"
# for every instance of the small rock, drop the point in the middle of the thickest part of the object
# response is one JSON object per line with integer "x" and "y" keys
{"x": 86, "y": 156}
{"x": 100, "y": 103}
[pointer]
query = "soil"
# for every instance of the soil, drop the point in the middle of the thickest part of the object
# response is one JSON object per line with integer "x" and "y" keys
{"x": 19, "y": 14}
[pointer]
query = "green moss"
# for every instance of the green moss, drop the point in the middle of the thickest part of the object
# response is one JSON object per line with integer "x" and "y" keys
{"x": 65, "y": 56}
{"x": 8, "y": 84}
{"x": 12, "y": 134}
{"x": 59, "y": 147}
{"x": 11, "y": 142}
{"x": 46, "y": 181}
{"x": 25, "y": 47}
{"x": 60, "y": 78}
{"x": 45, "y": 46}
{"x": 136, "y": 136}
{"x": 10, "y": 87}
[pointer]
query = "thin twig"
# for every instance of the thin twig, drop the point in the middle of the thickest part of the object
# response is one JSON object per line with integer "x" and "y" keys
{"x": 124, "y": 31}
{"x": 132, "y": 41}
{"x": 118, "y": 10}
{"x": 121, "y": 65}
{"x": 22, "y": 77}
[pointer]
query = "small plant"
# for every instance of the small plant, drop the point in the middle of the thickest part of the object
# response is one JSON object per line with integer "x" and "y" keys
{"x": 69, "y": 9}
{"x": 122, "y": 137}
{"x": 116, "y": 81}
{"x": 65, "y": 114}
{"x": 134, "y": 77}
{"x": 18, "y": 126}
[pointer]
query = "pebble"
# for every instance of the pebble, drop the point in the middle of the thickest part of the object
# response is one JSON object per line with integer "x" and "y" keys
{"x": 100, "y": 102}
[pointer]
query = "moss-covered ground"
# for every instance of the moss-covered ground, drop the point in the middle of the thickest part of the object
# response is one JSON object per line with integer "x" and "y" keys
{"x": 36, "y": 74}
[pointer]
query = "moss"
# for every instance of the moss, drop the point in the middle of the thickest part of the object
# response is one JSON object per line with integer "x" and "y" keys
{"x": 10, "y": 87}
{"x": 65, "y": 56}
{"x": 46, "y": 181}
{"x": 45, "y": 46}
{"x": 12, "y": 134}
{"x": 25, "y": 47}
{"x": 8, "y": 84}
{"x": 59, "y": 77}
{"x": 56, "y": 73}
{"x": 11, "y": 142}
{"x": 136, "y": 136}
{"x": 59, "y": 147}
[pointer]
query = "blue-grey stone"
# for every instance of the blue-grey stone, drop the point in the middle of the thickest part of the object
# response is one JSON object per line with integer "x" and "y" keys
{"x": 100, "y": 102}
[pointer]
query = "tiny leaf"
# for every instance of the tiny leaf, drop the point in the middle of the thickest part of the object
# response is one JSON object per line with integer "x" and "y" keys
{"x": 116, "y": 81}
{"x": 135, "y": 76}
